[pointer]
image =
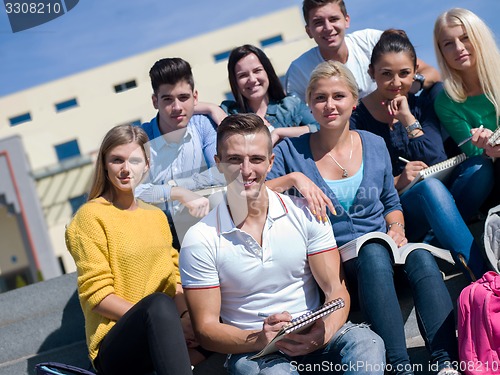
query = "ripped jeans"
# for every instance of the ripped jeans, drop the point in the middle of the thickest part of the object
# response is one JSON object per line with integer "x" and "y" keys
{"x": 354, "y": 349}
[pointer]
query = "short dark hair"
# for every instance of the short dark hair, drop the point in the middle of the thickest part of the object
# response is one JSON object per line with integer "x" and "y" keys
{"x": 393, "y": 41}
{"x": 170, "y": 71}
{"x": 242, "y": 123}
{"x": 309, "y": 5}
{"x": 275, "y": 90}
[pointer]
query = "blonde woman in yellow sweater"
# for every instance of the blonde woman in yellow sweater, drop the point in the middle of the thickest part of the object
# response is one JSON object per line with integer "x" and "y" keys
{"x": 128, "y": 276}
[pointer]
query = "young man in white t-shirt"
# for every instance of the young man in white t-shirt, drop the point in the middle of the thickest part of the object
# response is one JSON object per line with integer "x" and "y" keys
{"x": 327, "y": 22}
{"x": 257, "y": 260}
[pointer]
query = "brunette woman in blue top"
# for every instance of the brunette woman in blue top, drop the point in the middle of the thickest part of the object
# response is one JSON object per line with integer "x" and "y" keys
{"x": 257, "y": 88}
{"x": 353, "y": 170}
{"x": 412, "y": 131}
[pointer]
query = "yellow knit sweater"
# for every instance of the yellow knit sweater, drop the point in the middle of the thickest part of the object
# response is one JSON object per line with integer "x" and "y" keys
{"x": 128, "y": 253}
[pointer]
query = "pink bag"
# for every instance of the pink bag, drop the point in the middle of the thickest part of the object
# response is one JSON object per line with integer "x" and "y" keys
{"x": 479, "y": 326}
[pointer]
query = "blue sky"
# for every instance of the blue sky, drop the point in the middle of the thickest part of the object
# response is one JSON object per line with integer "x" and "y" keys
{"x": 96, "y": 32}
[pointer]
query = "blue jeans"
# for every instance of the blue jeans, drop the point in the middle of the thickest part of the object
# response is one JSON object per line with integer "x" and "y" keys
{"x": 354, "y": 349}
{"x": 470, "y": 184}
{"x": 430, "y": 205}
{"x": 372, "y": 273}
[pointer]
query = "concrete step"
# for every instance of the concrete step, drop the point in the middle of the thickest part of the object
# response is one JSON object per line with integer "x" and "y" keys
{"x": 39, "y": 317}
{"x": 74, "y": 354}
{"x": 41, "y": 322}
{"x": 44, "y": 322}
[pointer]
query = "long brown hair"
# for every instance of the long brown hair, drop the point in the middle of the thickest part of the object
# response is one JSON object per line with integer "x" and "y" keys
{"x": 275, "y": 90}
{"x": 117, "y": 136}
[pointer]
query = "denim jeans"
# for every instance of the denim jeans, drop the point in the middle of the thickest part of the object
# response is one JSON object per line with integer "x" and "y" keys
{"x": 430, "y": 205}
{"x": 372, "y": 273}
{"x": 354, "y": 349}
{"x": 470, "y": 184}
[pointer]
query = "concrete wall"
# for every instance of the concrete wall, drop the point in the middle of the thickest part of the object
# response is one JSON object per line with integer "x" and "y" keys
{"x": 29, "y": 236}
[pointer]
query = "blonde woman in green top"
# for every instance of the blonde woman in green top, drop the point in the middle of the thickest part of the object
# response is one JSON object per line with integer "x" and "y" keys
{"x": 470, "y": 103}
{"x": 469, "y": 60}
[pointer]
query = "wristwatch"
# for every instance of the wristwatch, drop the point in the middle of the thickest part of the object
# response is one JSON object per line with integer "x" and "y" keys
{"x": 420, "y": 78}
{"x": 411, "y": 128}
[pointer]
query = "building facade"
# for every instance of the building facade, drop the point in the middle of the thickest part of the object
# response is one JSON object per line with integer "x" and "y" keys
{"x": 61, "y": 123}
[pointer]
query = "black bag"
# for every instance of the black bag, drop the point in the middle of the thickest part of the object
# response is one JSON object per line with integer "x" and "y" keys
{"x": 54, "y": 368}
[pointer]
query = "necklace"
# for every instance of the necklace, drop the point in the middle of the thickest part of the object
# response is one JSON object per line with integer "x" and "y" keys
{"x": 345, "y": 174}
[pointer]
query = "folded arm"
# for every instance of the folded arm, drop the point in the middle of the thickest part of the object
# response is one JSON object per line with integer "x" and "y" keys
{"x": 317, "y": 200}
{"x": 212, "y": 110}
{"x": 112, "y": 307}
{"x": 429, "y": 72}
{"x": 204, "y": 306}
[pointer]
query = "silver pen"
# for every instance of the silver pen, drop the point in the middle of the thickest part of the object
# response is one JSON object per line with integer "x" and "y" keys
{"x": 469, "y": 138}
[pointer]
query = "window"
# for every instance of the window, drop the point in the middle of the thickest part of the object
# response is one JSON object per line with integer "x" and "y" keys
{"x": 218, "y": 57}
{"x": 67, "y": 150}
{"x": 76, "y": 202}
{"x": 25, "y": 117}
{"x": 67, "y": 104}
{"x": 272, "y": 40}
{"x": 125, "y": 86}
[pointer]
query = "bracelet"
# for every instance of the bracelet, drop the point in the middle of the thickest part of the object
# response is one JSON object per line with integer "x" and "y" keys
{"x": 389, "y": 226}
{"x": 184, "y": 313}
{"x": 414, "y": 133}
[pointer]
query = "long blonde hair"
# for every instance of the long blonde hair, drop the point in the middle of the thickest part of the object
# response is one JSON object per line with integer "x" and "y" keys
{"x": 117, "y": 136}
{"x": 486, "y": 51}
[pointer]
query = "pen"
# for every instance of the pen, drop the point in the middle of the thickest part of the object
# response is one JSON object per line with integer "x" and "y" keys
{"x": 263, "y": 315}
{"x": 403, "y": 160}
{"x": 469, "y": 138}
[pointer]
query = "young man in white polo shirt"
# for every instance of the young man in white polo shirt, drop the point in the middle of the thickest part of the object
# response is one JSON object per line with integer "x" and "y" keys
{"x": 260, "y": 253}
{"x": 326, "y": 23}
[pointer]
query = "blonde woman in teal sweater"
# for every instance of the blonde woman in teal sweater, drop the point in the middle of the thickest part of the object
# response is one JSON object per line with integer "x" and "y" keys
{"x": 128, "y": 276}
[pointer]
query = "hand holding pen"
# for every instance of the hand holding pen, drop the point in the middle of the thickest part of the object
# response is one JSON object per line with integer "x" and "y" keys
{"x": 480, "y": 137}
{"x": 272, "y": 324}
{"x": 477, "y": 134}
{"x": 411, "y": 170}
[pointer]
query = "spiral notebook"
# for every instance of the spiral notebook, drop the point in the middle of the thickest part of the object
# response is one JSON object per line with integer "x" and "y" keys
{"x": 440, "y": 171}
{"x": 494, "y": 139}
{"x": 300, "y": 323}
